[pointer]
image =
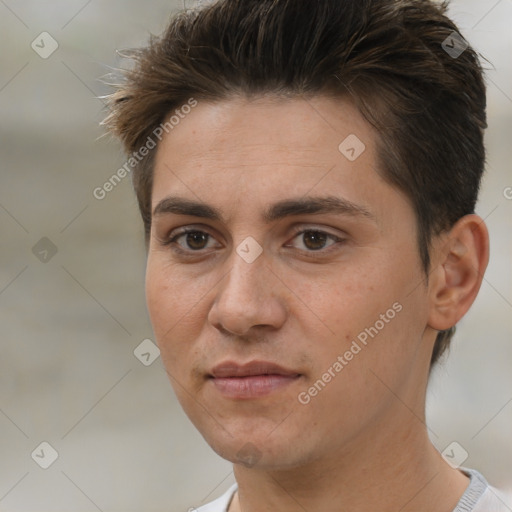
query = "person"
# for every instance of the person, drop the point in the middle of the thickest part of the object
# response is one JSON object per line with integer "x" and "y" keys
{"x": 307, "y": 173}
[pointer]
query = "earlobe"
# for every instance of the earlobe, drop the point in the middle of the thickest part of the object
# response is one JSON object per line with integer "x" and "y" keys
{"x": 461, "y": 259}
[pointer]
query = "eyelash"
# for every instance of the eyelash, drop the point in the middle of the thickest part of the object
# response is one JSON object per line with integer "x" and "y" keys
{"x": 296, "y": 232}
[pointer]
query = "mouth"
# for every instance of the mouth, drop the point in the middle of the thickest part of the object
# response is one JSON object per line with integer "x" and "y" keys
{"x": 251, "y": 380}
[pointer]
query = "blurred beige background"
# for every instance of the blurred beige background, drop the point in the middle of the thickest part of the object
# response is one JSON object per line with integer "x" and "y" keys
{"x": 72, "y": 310}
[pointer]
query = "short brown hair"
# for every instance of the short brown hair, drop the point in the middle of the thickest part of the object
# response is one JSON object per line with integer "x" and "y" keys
{"x": 392, "y": 58}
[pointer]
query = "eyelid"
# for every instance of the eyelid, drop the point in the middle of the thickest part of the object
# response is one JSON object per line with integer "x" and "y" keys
{"x": 178, "y": 232}
{"x": 296, "y": 230}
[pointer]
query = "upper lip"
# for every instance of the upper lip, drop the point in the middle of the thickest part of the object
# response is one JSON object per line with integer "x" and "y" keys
{"x": 233, "y": 369}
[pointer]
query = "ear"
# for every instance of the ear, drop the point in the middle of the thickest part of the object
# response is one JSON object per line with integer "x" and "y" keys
{"x": 460, "y": 259}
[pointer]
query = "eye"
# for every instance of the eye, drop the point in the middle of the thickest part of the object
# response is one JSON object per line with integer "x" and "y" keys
{"x": 314, "y": 240}
{"x": 194, "y": 240}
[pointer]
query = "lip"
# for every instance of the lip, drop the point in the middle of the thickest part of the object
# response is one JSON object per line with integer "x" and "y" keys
{"x": 233, "y": 369}
{"x": 251, "y": 380}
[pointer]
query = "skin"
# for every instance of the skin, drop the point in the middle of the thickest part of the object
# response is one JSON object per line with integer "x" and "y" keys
{"x": 361, "y": 443}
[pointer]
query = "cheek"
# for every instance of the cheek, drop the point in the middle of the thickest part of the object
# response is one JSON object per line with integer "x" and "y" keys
{"x": 177, "y": 307}
{"x": 167, "y": 302}
{"x": 159, "y": 298}
{"x": 167, "y": 308}
{"x": 350, "y": 301}
{"x": 171, "y": 294}
{"x": 376, "y": 321}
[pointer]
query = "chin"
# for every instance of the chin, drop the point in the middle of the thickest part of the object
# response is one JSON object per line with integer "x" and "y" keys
{"x": 258, "y": 451}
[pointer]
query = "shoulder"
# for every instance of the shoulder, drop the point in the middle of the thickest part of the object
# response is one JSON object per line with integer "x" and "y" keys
{"x": 220, "y": 504}
{"x": 482, "y": 497}
{"x": 493, "y": 500}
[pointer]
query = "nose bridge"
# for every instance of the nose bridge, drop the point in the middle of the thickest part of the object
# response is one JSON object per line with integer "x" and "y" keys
{"x": 247, "y": 282}
{"x": 246, "y": 295}
{"x": 248, "y": 263}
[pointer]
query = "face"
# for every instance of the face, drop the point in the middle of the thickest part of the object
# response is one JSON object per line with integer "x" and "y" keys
{"x": 293, "y": 313}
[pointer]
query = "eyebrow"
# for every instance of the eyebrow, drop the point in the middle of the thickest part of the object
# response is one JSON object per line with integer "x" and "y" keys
{"x": 285, "y": 208}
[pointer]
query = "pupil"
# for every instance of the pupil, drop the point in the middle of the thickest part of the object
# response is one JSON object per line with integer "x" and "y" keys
{"x": 195, "y": 236}
{"x": 311, "y": 236}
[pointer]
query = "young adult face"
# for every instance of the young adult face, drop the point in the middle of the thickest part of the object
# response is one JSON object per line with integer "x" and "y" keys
{"x": 300, "y": 303}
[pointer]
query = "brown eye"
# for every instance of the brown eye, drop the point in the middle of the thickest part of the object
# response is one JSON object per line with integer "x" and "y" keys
{"x": 194, "y": 241}
{"x": 315, "y": 240}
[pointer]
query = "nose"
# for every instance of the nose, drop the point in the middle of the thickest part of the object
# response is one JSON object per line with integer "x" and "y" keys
{"x": 249, "y": 295}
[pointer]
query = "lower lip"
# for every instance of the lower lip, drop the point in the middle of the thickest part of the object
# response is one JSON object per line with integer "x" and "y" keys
{"x": 253, "y": 386}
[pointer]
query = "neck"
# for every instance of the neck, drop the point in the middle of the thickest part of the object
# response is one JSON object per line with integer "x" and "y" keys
{"x": 400, "y": 471}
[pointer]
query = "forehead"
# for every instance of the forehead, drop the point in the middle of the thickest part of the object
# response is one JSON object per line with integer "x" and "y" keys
{"x": 243, "y": 154}
{"x": 302, "y": 129}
